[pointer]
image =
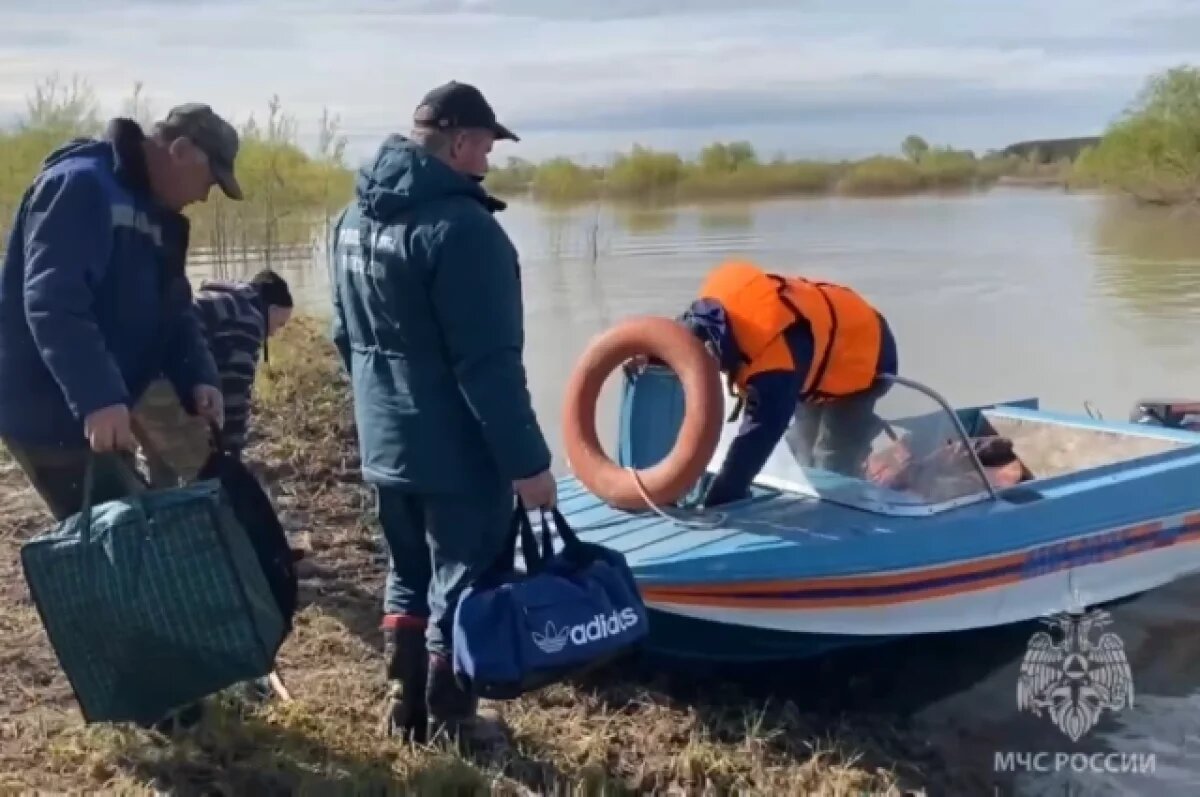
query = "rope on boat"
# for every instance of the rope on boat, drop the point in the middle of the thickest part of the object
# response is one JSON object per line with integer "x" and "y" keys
{"x": 717, "y": 520}
{"x": 1091, "y": 410}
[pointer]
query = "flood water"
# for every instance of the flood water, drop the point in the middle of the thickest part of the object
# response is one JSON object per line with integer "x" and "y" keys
{"x": 996, "y": 296}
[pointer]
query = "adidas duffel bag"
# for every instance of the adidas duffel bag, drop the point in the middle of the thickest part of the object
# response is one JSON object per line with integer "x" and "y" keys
{"x": 568, "y": 612}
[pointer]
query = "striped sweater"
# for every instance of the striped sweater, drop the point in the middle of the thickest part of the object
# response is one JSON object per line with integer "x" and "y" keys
{"x": 234, "y": 325}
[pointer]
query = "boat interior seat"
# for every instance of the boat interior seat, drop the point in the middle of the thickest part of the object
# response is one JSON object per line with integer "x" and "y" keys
{"x": 1049, "y": 449}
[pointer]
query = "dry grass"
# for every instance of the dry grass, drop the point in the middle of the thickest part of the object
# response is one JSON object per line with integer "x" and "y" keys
{"x": 615, "y": 734}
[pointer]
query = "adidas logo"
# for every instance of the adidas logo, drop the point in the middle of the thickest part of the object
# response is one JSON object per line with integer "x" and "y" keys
{"x": 553, "y": 639}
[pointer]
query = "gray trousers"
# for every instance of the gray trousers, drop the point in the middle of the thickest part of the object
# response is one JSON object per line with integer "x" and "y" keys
{"x": 837, "y": 435}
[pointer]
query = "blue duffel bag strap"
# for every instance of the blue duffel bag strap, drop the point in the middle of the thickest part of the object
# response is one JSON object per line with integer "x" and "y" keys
{"x": 574, "y": 549}
{"x": 521, "y": 528}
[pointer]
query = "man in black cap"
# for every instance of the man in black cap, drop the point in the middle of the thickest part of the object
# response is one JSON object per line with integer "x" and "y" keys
{"x": 429, "y": 322}
{"x": 456, "y": 123}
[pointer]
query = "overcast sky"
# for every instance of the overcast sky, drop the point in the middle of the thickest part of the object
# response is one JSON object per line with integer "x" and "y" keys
{"x": 587, "y": 77}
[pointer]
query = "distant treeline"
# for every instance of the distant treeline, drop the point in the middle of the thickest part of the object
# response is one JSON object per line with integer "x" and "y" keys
{"x": 1049, "y": 150}
{"x": 735, "y": 170}
{"x": 1152, "y": 153}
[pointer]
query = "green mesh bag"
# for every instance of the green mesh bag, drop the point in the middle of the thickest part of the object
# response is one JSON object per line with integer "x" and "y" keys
{"x": 153, "y": 601}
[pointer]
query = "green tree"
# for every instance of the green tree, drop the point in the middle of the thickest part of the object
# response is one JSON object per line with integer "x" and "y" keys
{"x": 1153, "y": 152}
{"x": 645, "y": 173}
{"x": 721, "y": 158}
{"x": 914, "y": 147}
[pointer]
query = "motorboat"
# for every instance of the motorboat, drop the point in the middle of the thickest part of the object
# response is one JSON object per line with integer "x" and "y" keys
{"x": 936, "y": 540}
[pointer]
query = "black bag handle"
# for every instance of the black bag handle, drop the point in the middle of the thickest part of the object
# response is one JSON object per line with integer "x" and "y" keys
{"x": 573, "y": 547}
{"x": 132, "y": 484}
{"x": 519, "y": 527}
{"x": 216, "y": 438}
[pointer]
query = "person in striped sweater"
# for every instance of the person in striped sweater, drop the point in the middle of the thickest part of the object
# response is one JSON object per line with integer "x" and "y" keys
{"x": 236, "y": 318}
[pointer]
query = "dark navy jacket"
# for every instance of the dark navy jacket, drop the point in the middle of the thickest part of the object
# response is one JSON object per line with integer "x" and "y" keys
{"x": 94, "y": 301}
{"x": 428, "y": 319}
{"x": 772, "y": 395}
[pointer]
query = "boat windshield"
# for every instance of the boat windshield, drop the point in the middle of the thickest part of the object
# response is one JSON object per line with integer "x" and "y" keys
{"x": 906, "y": 455}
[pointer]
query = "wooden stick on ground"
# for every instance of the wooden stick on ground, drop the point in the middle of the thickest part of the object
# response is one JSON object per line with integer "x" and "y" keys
{"x": 277, "y": 684}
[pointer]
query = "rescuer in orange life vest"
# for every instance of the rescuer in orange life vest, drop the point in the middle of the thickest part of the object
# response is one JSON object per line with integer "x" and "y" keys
{"x": 791, "y": 347}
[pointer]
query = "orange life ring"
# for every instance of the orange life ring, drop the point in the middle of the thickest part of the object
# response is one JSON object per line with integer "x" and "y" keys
{"x": 671, "y": 478}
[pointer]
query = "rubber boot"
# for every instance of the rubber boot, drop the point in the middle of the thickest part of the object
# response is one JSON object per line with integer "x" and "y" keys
{"x": 405, "y": 667}
{"x": 454, "y": 717}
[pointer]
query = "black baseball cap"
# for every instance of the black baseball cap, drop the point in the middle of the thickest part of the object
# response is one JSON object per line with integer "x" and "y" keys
{"x": 457, "y": 104}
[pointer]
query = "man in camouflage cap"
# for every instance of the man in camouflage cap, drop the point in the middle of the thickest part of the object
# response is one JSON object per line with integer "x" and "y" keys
{"x": 94, "y": 301}
{"x": 211, "y": 134}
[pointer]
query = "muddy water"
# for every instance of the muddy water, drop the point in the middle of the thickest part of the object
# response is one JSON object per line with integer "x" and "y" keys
{"x": 1008, "y": 294}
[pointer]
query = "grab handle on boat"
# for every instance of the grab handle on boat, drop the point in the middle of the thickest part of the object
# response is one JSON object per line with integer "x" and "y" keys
{"x": 966, "y": 439}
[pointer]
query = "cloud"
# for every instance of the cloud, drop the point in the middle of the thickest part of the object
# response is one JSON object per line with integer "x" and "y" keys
{"x": 597, "y": 74}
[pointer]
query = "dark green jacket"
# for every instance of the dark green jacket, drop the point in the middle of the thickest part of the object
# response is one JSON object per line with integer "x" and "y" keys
{"x": 427, "y": 316}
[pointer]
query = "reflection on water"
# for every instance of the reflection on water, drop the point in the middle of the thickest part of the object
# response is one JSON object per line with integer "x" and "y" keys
{"x": 1149, "y": 257}
{"x": 717, "y": 217}
{"x": 994, "y": 296}
{"x": 642, "y": 221}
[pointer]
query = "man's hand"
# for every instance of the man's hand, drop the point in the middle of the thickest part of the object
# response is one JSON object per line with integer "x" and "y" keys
{"x": 107, "y": 429}
{"x": 538, "y": 492}
{"x": 210, "y": 404}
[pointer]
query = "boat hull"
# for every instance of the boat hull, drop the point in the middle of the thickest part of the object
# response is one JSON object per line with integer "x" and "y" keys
{"x": 1070, "y": 575}
{"x": 679, "y": 637}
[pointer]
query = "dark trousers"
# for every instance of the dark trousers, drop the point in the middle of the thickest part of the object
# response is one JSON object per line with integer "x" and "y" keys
{"x": 58, "y": 473}
{"x": 837, "y": 435}
{"x": 438, "y": 544}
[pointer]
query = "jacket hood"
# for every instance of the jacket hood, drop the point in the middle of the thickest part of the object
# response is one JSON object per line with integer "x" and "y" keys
{"x": 120, "y": 149}
{"x": 403, "y": 176}
{"x": 89, "y": 148}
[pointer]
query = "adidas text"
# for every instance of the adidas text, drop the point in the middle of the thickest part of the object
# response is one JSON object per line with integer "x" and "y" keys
{"x": 553, "y": 639}
{"x": 600, "y": 627}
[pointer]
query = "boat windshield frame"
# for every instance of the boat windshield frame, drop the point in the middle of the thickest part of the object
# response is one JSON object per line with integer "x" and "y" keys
{"x": 860, "y": 493}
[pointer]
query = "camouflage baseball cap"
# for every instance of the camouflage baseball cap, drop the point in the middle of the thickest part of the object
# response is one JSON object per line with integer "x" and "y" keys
{"x": 213, "y": 135}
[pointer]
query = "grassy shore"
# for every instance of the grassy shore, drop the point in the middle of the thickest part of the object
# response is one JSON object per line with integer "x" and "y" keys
{"x": 616, "y": 733}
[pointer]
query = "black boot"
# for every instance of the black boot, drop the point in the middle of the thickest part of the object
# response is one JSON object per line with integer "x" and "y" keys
{"x": 453, "y": 714}
{"x": 405, "y": 666}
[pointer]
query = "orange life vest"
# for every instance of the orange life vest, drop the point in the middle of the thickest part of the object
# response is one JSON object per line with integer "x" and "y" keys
{"x": 846, "y": 330}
